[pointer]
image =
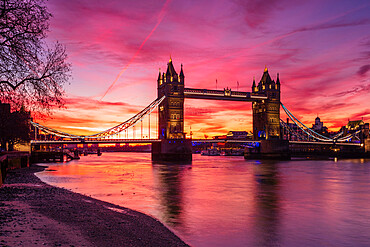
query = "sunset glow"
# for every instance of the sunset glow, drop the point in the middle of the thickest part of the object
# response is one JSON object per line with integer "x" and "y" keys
{"x": 321, "y": 49}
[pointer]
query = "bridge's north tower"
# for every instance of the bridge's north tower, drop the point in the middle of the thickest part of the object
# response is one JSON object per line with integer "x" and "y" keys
{"x": 266, "y": 113}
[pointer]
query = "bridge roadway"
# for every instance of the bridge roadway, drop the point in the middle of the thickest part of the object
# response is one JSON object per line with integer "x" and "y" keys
{"x": 94, "y": 141}
{"x": 225, "y": 94}
{"x": 326, "y": 143}
{"x": 102, "y": 141}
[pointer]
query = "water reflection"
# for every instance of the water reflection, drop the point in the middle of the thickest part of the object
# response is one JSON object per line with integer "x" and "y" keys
{"x": 229, "y": 201}
{"x": 267, "y": 203}
{"x": 169, "y": 185}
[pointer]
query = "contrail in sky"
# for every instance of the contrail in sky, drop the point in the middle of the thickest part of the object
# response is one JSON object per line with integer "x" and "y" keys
{"x": 160, "y": 18}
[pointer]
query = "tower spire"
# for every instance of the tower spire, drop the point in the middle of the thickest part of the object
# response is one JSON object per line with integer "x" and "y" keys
{"x": 170, "y": 69}
{"x": 159, "y": 75}
{"x": 181, "y": 72}
{"x": 254, "y": 87}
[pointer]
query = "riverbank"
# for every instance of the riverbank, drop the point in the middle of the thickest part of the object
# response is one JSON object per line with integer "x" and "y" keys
{"x": 33, "y": 213}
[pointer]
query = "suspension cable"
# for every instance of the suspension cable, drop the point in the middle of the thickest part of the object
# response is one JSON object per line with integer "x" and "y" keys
{"x": 347, "y": 137}
{"x": 291, "y": 115}
{"x": 295, "y": 133}
{"x": 309, "y": 134}
{"x": 110, "y": 132}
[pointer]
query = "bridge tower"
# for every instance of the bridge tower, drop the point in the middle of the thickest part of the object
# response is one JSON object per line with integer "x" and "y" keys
{"x": 266, "y": 121}
{"x": 171, "y": 110}
{"x": 173, "y": 145}
{"x": 266, "y": 113}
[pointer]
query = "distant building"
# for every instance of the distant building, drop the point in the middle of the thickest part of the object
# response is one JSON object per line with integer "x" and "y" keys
{"x": 356, "y": 126}
{"x": 4, "y": 117}
{"x": 239, "y": 135}
{"x": 14, "y": 128}
{"x": 4, "y": 109}
{"x": 294, "y": 133}
{"x": 222, "y": 137}
{"x": 235, "y": 135}
{"x": 319, "y": 127}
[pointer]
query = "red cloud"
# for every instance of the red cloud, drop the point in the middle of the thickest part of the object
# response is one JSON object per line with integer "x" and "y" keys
{"x": 322, "y": 58}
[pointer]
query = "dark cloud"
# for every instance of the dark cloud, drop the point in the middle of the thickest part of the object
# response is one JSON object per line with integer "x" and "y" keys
{"x": 335, "y": 24}
{"x": 258, "y": 12}
{"x": 355, "y": 90}
{"x": 363, "y": 70}
{"x": 334, "y": 105}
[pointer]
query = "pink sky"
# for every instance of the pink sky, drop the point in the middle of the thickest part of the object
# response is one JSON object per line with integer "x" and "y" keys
{"x": 320, "y": 48}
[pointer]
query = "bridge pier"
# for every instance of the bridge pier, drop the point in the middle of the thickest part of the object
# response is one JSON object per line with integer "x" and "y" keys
{"x": 172, "y": 150}
{"x": 269, "y": 149}
{"x": 367, "y": 146}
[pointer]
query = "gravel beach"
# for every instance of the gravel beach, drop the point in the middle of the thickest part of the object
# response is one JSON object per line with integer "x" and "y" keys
{"x": 33, "y": 213}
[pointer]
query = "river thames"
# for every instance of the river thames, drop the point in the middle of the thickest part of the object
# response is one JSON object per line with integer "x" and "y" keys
{"x": 229, "y": 201}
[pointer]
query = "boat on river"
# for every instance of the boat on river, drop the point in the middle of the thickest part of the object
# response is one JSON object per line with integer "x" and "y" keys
{"x": 233, "y": 152}
{"x": 211, "y": 152}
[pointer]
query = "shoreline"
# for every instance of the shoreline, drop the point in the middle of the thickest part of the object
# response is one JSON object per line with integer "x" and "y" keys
{"x": 34, "y": 213}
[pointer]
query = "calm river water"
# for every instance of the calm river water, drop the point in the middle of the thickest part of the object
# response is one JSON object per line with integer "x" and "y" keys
{"x": 228, "y": 201}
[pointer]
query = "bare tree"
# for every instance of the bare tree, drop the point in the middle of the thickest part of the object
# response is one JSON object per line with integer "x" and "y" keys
{"x": 31, "y": 73}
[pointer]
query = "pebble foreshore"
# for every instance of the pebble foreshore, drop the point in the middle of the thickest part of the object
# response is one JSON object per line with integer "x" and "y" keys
{"x": 33, "y": 213}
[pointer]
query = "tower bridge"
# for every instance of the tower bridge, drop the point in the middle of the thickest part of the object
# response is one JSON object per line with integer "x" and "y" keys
{"x": 171, "y": 143}
{"x": 265, "y": 98}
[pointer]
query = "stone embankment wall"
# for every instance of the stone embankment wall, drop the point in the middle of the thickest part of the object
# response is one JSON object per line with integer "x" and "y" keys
{"x": 12, "y": 160}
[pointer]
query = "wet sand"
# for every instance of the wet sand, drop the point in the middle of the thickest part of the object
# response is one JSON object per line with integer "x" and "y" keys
{"x": 33, "y": 213}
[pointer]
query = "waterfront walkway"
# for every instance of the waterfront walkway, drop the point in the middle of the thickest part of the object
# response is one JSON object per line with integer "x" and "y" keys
{"x": 33, "y": 213}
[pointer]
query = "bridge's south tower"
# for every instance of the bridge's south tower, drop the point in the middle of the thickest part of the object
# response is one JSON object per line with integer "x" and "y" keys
{"x": 266, "y": 113}
{"x": 171, "y": 110}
